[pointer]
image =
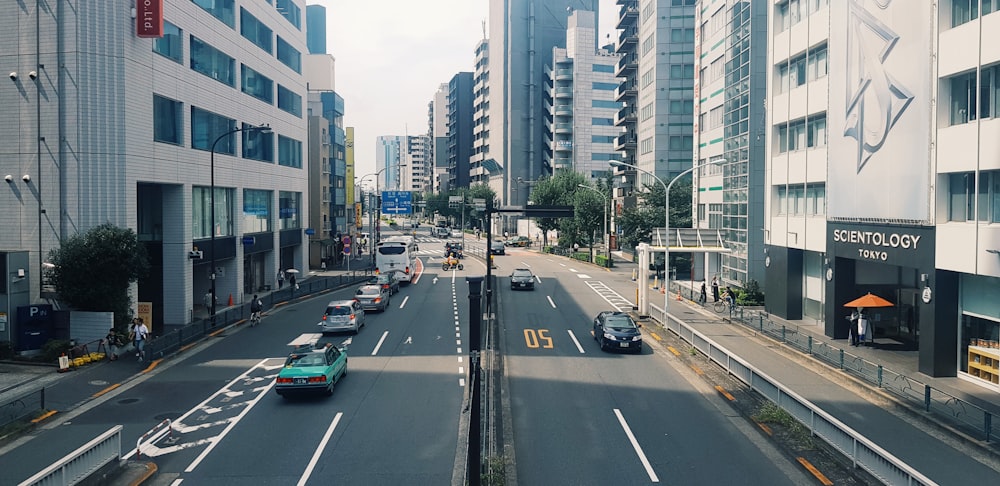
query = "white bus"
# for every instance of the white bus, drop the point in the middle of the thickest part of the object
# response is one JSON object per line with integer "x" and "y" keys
{"x": 396, "y": 256}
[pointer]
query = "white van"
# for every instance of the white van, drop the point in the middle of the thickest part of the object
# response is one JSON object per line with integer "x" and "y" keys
{"x": 395, "y": 256}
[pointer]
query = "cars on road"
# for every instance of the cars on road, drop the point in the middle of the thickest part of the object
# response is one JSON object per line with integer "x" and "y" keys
{"x": 454, "y": 247}
{"x": 387, "y": 281}
{"x": 341, "y": 316}
{"x": 497, "y": 248}
{"x": 522, "y": 278}
{"x": 615, "y": 330}
{"x": 372, "y": 297}
{"x": 310, "y": 369}
{"x": 518, "y": 241}
{"x": 440, "y": 232}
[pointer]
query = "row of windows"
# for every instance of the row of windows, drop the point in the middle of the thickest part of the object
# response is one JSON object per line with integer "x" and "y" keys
{"x": 602, "y": 122}
{"x": 646, "y": 145}
{"x": 648, "y": 43}
{"x": 604, "y": 68}
{"x": 799, "y": 199}
{"x": 205, "y": 129}
{"x": 605, "y": 86}
{"x": 964, "y": 11}
{"x": 646, "y": 112}
{"x": 602, "y": 138}
{"x": 648, "y": 77}
{"x": 606, "y": 104}
{"x": 800, "y": 134}
{"x": 713, "y": 24}
{"x": 973, "y": 98}
{"x": 256, "y": 215}
{"x": 964, "y": 199}
{"x": 792, "y": 12}
{"x": 797, "y": 71}
{"x": 224, "y": 10}
{"x": 714, "y": 71}
{"x": 713, "y": 119}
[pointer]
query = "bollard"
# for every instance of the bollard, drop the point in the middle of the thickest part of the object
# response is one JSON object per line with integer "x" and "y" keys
{"x": 810, "y": 345}
{"x": 927, "y": 398}
{"x": 880, "y": 376}
{"x": 841, "y": 359}
{"x": 987, "y": 424}
{"x": 783, "y": 333}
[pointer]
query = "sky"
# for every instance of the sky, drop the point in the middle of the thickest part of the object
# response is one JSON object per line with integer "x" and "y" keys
{"x": 391, "y": 56}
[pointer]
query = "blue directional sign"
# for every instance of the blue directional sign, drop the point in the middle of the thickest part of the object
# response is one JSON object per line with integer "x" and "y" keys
{"x": 397, "y": 202}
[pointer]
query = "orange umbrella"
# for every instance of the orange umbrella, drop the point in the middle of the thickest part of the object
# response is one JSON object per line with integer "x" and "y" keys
{"x": 869, "y": 300}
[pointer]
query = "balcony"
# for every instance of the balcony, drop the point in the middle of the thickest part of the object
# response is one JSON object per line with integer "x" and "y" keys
{"x": 563, "y": 110}
{"x": 563, "y": 145}
{"x": 564, "y": 74}
{"x": 627, "y": 64}
{"x": 562, "y": 163}
{"x": 626, "y": 90}
{"x": 627, "y": 16}
{"x": 625, "y": 141}
{"x": 625, "y": 115}
{"x": 628, "y": 36}
{"x": 564, "y": 128}
{"x": 564, "y": 92}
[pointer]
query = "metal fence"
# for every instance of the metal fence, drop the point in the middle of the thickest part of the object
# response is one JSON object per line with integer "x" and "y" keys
{"x": 22, "y": 407}
{"x": 78, "y": 465}
{"x": 861, "y": 451}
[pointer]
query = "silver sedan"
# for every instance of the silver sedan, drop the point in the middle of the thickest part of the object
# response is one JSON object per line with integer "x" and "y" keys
{"x": 372, "y": 297}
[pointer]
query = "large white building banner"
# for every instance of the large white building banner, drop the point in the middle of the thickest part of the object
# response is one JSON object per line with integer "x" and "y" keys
{"x": 879, "y": 120}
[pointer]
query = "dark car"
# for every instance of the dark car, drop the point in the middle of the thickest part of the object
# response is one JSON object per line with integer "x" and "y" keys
{"x": 454, "y": 247}
{"x": 387, "y": 281}
{"x": 616, "y": 330}
{"x": 497, "y": 248}
{"x": 522, "y": 278}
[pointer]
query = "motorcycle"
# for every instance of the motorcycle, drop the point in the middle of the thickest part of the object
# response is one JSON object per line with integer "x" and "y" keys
{"x": 452, "y": 265}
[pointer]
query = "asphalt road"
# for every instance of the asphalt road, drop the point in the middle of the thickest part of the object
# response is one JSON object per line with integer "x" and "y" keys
{"x": 584, "y": 416}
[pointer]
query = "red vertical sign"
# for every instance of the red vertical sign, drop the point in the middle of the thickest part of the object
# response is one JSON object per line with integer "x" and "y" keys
{"x": 149, "y": 18}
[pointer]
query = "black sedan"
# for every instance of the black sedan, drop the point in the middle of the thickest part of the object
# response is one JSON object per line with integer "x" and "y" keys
{"x": 522, "y": 278}
{"x": 454, "y": 247}
{"x": 617, "y": 331}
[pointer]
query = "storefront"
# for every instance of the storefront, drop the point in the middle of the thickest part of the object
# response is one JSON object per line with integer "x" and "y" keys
{"x": 979, "y": 338}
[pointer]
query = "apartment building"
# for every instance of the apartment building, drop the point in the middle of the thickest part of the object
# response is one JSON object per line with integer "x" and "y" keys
{"x": 459, "y": 144}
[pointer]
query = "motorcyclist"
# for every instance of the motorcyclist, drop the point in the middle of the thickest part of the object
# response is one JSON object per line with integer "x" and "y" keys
{"x": 452, "y": 259}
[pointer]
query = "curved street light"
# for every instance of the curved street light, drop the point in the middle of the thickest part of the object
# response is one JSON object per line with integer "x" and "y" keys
{"x": 377, "y": 206}
{"x": 248, "y": 129}
{"x": 607, "y": 230}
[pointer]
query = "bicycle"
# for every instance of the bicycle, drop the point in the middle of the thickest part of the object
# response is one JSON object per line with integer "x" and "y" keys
{"x": 720, "y": 306}
{"x": 254, "y": 318}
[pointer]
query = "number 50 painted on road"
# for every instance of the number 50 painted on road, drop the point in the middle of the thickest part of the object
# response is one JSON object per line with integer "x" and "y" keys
{"x": 532, "y": 338}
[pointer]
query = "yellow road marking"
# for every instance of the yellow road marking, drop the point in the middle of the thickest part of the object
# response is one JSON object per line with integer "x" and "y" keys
{"x": 656, "y": 336}
{"x": 187, "y": 347}
{"x": 766, "y": 429}
{"x": 217, "y": 332}
{"x": 815, "y": 472}
{"x": 725, "y": 393}
{"x": 672, "y": 350}
{"x": 152, "y": 365}
{"x": 697, "y": 370}
{"x": 106, "y": 390}
{"x": 43, "y": 416}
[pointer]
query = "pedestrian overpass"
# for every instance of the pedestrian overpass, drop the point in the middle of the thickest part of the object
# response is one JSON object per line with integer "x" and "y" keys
{"x": 677, "y": 240}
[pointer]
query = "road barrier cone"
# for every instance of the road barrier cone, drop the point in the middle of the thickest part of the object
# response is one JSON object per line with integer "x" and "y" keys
{"x": 230, "y": 300}
{"x": 679, "y": 295}
{"x": 633, "y": 275}
{"x": 656, "y": 282}
{"x": 663, "y": 290}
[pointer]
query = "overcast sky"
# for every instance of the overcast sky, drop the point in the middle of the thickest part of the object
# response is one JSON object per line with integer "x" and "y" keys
{"x": 391, "y": 55}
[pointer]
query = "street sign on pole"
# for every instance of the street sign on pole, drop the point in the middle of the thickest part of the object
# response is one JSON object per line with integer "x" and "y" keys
{"x": 397, "y": 202}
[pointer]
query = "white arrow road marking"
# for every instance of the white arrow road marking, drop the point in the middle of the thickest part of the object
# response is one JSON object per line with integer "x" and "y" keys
{"x": 181, "y": 428}
{"x": 573, "y": 337}
{"x": 434, "y": 280}
{"x": 380, "y": 341}
{"x": 572, "y": 270}
{"x": 211, "y": 410}
{"x": 153, "y": 450}
{"x": 409, "y": 340}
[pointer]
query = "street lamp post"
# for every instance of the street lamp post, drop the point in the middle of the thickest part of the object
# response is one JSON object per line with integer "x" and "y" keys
{"x": 211, "y": 202}
{"x": 377, "y": 206}
{"x": 607, "y": 230}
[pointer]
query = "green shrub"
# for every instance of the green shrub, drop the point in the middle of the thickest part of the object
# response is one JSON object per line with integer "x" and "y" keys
{"x": 604, "y": 261}
{"x": 750, "y": 294}
{"x": 583, "y": 257}
{"x": 54, "y": 348}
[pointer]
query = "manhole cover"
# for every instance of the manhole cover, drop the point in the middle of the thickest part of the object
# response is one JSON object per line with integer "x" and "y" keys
{"x": 168, "y": 415}
{"x": 99, "y": 383}
{"x": 128, "y": 401}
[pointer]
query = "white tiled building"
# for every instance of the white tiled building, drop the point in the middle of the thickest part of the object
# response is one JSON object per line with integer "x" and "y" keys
{"x": 115, "y": 128}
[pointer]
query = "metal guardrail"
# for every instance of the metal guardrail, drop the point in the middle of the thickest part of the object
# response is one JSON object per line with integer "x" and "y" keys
{"x": 862, "y": 452}
{"x": 970, "y": 417}
{"x": 76, "y": 466}
{"x": 22, "y": 407}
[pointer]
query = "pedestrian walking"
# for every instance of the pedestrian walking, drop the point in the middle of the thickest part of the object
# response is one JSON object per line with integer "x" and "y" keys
{"x": 862, "y": 327}
{"x": 715, "y": 289}
{"x": 281, "y": 279}
{"x": 730, "y": 297}
{"x": 291, "y": 282}
{"x": 139, "y": 334}
{"x": 114, "y": 341}
{"x": 704, "y": 295}
{"x": 852, "y": 328}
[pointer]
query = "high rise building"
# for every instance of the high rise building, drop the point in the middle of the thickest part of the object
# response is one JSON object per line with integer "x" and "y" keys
{"x": 480, "y": 163}
{"x": 316, "y": 29}
{"x": 389, "y": 156}
{"x": 627, "y": 93}
{"x": 437, "y": 131}
{"x": 102, "y": 125}
{"x": 729, "y": 136}
{"x": 580, "y": 95}
{"x": 418, "y": 171}
{"x": 459, "y": 129}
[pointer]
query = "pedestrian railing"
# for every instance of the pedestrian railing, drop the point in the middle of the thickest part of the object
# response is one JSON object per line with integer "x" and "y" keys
{"x": 22, "y": 407}
{"x": 862, "y": 452}
{"x": 78, "y": 465}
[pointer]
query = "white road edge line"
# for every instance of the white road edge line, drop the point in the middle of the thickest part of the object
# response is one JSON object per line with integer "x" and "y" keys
{"x": 319, "y": 449}
{"x": 577, "y": 343}
{"x": 177, "y": 482}
{"x": 380, "y": 341}
{"x": 526, "y": 265}
{"x": 404, "y": 301}
{"x": 214, "y": 441}
{"x": 553, "y": 304}
{"x": 637, "y": 447}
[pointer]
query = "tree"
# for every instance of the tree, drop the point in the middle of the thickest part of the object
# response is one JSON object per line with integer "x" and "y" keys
{"x": 560, "y": 189}
{"x": 93, "y": 270}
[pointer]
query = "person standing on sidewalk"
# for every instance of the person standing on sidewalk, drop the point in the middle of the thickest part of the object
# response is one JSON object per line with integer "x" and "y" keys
{"x": 715, "y": 289}
{"x": 139, "y": 334}
{"x": 704, "y": 295}
{"x": 852, "y": 328}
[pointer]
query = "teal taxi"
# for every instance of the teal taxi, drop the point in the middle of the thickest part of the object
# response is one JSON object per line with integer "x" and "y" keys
{"x": 311, "y": 368}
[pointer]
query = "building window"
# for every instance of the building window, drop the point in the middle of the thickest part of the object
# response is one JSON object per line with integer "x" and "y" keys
{"x": 290, "y": 12}
{"x": 212, "y": 62}
{"x": 289, "y": 152}
{"x": 963, "y": 98}
{"x": 289, "y": 56}
{"x": 681, "y": 107}
{"x": 989, "y": 91}
{"x": 961, "y": 194}
{"x": 603, "y": 122}
{"x": 605, "y": 86}
{"x": 201, "y": 212}
{"x": 256, "y": 84}
{"x": 603, "y": 68}
{"x": 288, "y": 210}
{"x": 206, "y": 127}
{"x": 166, "y": 120}
{"x": 816, "y": 133}
{"x": 606, "y": 104}
{"x": 681, "y": 35}
{"x": 220, "y": 9}
{"x": 257, "y": 145}
{"x": 255, "y": 31}
{"x": 289, "y": 101}
{"x": 170, "y": 45}
{"x": 963, "y": 11}
{"x": 989, "y": 196}
{"x": 815, "y": 199}
{"x": 256, "y": 211}
{"x": 681, "y": 142}
{"x": 648, "y": 43}
{"x": 682, "y": 71}
{"x": 646, "y": 145}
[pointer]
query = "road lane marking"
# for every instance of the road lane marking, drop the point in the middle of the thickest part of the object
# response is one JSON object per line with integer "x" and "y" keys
{"x": 461, "y": 370}
{"x": 573, "y": 270}
{"x": 526, "y": 265}
{"x": 319, "y": 449}
{"x": 672, "y": 350}
{"x": 461, "y": 382}
{"x": 620, "y": 304}
{"x": 404, "y": 301}
{"x": 815, "y": 472}
{"x": 656, "y": 336}
{"x": 725, "y": 393}
{"x": 573, "y": 337}
{"x": 553, "y": 304}
{"x": 380, "y": 341}
{"x": 697, "y": 370}
{"x": 583, "y": 275}
{"x": 538, "y": 278}
{"x": 637, "y": 447}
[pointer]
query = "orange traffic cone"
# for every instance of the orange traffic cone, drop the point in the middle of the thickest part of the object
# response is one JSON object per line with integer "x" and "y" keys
{"x": 679, "y": 295}
{"x": 230, "y": 300}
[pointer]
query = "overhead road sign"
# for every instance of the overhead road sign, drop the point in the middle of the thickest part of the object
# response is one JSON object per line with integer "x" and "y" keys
{"x": 397, "y": 202}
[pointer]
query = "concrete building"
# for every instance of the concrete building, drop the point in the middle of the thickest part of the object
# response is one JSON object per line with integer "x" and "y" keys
{"x": 480, "y": 163}
{"x": 900, "y": 195}
{"x": 418, "y": 171}
{"x": 580, "y": 130}
{"x": 107, "y": 126}
{"x": 729, "y": 99}
{"x": 389, "y": 155}
{"x": 459, "y": 129}
{"x": 627, "y": 48}
{"x": 437, "y": 131}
